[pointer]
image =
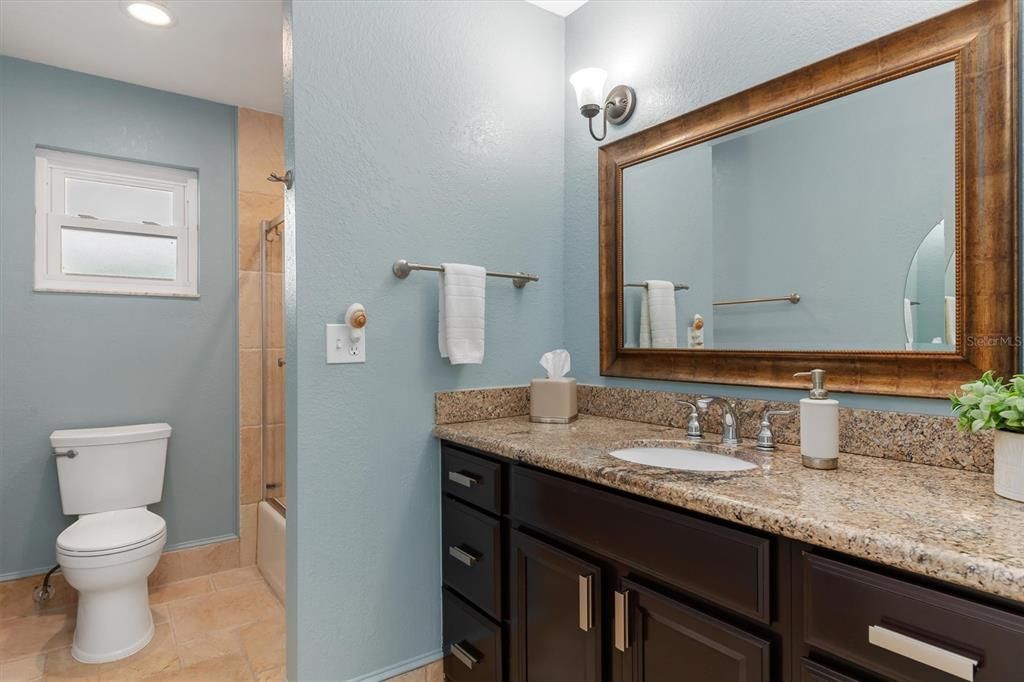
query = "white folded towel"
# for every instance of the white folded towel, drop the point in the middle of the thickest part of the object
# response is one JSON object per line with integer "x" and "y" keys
{"x": 460, "y": 313}
{"x": 908, "y": 323}
{"x": 658, "y": 314}
{"x": 950, "y": 306}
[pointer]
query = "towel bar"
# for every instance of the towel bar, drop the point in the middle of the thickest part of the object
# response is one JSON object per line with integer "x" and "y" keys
{"x": 402, "y": 268}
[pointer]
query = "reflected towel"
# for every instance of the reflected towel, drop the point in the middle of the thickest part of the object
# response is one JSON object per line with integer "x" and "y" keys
{"x": 908, "y": 323}
{"x": 950, "y": 302}
{"x": 460, "y": 313}
{"x": 658, "y": 315}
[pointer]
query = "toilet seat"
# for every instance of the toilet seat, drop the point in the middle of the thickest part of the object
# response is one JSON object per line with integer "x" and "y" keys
{"x": 112, "y": 532}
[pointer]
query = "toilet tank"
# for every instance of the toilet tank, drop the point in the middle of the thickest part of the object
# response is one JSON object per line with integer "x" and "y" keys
{"x": 114, "y": 467}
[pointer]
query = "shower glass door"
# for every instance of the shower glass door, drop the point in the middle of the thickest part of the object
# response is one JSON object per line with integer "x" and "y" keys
{"x": 273, "y": 345}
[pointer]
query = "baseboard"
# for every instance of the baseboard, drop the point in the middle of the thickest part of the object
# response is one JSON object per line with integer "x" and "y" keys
{"x": 189, "y": 544}
{"x": 399, "y": 668}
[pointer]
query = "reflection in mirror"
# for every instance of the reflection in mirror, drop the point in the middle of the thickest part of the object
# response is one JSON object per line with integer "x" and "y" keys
{"x": 831, "y": 203}
{"x": 929, "y": 299}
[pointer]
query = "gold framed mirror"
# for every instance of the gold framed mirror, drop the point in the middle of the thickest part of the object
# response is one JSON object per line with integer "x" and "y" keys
{"x": 859, "y": 215}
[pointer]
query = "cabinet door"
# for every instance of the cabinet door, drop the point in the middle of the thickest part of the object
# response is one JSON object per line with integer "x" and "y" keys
{"x": 555, "y": 614}
{"x": 662, "y": 640}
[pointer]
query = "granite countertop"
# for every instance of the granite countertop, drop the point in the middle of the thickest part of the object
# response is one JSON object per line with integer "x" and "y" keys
{"x": 942, "y": 523}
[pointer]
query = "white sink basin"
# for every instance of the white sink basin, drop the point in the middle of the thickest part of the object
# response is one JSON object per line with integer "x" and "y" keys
{"x": 681, "y": 458}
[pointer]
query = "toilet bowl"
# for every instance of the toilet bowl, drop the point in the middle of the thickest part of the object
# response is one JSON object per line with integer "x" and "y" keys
{"x": 108, "y": 557}
{"x": 107, "y": 477}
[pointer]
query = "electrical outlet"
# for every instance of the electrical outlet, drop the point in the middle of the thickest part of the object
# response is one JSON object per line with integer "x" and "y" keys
{"x": 341, "y": 348}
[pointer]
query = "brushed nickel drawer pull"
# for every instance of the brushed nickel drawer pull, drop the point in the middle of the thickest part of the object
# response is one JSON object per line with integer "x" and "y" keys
{"x": 586, "y": 603}
{"x": 922, "y": 652}
{"x": 621, "y": 620}
{"x": 468, "y": 659}
{"x": 462, "y": 555}
{"x": 462, "y": 479}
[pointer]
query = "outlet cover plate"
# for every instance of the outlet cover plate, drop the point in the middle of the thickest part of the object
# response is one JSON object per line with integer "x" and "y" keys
{"x": 340, "y": 348}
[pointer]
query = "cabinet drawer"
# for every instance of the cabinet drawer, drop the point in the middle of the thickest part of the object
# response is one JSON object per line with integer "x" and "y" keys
{"x": 727, "y": 566}
{"x": 472, "y": 644}
{"x": 815, "y": 672}
{"x": 904, "y": 631}
{"x": 471, "y": 555}
{"x": 473, "y": 479}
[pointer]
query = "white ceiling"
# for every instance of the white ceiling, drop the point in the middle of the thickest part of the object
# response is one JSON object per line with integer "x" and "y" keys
{"x": 222, "y": 50}
{"x": 562, "y": 8}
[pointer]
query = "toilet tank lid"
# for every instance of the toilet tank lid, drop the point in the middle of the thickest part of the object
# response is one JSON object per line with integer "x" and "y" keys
{"x": 109, "y": 435}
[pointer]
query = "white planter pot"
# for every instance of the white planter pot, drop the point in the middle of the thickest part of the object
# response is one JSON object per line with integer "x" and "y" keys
{"x": 1009, "y": 465}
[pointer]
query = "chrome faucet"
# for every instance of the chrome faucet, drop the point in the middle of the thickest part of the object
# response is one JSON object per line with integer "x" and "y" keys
{"x": 730, "y": 422}
{"x": 693, "y": 428}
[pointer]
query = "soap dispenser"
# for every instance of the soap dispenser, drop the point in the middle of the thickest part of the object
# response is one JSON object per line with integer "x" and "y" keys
{"x": 819, "y": 425}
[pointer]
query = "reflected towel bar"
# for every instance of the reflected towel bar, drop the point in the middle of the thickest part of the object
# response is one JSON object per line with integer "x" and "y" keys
{"x": 643, "y": 285}
{"x": 402, "y": 268}
{"x": 793, "y": 298}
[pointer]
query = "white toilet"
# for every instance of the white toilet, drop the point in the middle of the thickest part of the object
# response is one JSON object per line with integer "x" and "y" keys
{"x": 107, "y": 477}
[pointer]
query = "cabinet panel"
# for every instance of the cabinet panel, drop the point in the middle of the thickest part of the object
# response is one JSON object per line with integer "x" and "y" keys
{"x": 471, "y": 478}
{"x": 555, "y": 614}
{"x": 472, "y": 644}
{"x": 471, "y": 555}
{"x": 906, "y": 632}
{"x": 724, "y": 565}
{"x": 661, "y": 640}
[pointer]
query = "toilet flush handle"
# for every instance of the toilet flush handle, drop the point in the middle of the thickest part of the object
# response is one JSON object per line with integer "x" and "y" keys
{"x": 70, "y": 454}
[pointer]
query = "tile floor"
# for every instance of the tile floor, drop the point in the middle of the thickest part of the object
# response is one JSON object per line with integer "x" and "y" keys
{"x": 224, "y": 626}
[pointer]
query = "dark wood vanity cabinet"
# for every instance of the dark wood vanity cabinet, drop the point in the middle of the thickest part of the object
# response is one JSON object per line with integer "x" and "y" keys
{"x": 552, "y": 579}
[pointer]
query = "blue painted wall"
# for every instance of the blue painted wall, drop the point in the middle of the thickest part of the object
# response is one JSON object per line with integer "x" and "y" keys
{"x": 433, "y": 132}
{"x": 680, "y": 56}
{"x": 81, "y": 360}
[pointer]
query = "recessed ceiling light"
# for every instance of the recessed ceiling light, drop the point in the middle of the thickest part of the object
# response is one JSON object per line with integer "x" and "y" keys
{"x": 151, "y": 12}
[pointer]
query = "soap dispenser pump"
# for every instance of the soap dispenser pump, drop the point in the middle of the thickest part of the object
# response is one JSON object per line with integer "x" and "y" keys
{"x": 819, "y": 425}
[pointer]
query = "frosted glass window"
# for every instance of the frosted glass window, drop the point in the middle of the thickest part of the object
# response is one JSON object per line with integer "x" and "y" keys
{"x": 123, "y": 203}
{"x": 118, "y": 254}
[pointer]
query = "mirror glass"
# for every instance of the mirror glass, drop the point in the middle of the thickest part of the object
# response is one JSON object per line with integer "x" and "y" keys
{"x": 844, "y": 214}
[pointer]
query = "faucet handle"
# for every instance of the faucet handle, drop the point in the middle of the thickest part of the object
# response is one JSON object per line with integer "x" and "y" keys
{"x": 765, "y": 436}
{"x": 694, "y": 431}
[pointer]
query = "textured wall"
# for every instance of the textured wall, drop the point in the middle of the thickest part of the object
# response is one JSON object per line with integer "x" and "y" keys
{"x": 434, "y": 132}
{"x": 81, "y": 360}
{"x": 679, "y": 56}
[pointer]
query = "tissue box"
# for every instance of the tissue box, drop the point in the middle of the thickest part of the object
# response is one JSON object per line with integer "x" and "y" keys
{"x": 553, "y": 401}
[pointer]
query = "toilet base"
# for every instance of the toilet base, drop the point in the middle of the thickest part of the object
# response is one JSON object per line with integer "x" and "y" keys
{"x": 112, "y": 624}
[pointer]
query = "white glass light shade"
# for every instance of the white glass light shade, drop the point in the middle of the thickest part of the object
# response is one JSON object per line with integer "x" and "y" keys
{"x": 589, "y": 85}
{"x": 152, "y": 12}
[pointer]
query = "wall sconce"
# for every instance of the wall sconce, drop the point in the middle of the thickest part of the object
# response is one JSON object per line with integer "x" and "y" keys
{"x": 618, "y": 106}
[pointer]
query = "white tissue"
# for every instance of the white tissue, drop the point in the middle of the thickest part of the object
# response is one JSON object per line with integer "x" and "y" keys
{"x": 555, "y": 363}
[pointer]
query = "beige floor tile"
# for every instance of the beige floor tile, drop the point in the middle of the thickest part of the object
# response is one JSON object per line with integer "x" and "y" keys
{"x": 159, "y": 656}
{"x": 250, "y": 390}
{"x": 16, "y": 596}
{"x": 181, "y": 589}
{"x": 236, "y": 577}
{"x": 194, "y": 562}
{"x": 20, "y": 637}
{"x": 247, "y": 529}
{"x": 435, "y": 671}
{"x": 264, "y": 644}
{"x": 23, "y": 669}
{"x": 224, "y": 609}
{"x": 223, "y": 669}
{"x": 159, "y": 614}
{"x": 260, "y": 151}
{"x": 215, "y": 644}
{"x": 60, "y": 666}
{"x": 250, "y": 475}
{"x": 271, "y": 675}
{"x": 249, "y": 314}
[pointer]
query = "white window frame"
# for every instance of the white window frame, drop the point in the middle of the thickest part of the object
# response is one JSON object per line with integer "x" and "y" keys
{"x": 53, "y": 168}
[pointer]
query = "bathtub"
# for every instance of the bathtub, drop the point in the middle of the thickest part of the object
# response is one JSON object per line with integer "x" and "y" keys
{"x": 270, "y": 547}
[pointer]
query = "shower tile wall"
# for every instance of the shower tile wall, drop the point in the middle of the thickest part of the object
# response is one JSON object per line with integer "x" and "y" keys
{"x": 260, "y": 151}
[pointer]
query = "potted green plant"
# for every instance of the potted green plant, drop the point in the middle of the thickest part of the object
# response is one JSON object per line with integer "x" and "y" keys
{"x": 988, "y": 403}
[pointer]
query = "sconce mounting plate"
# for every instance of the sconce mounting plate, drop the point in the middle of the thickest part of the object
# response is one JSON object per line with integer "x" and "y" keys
{"x": 620, "y": 103}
